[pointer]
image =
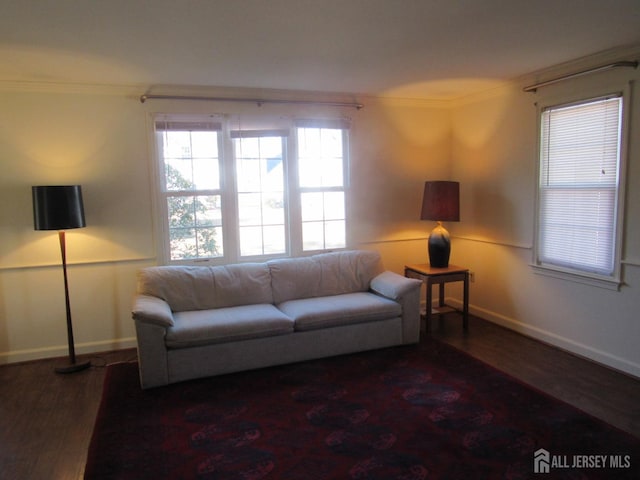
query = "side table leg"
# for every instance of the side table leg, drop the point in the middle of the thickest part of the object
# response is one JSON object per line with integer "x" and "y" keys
{"x": 465, "y": 313}
{"x": 429, "y": 305}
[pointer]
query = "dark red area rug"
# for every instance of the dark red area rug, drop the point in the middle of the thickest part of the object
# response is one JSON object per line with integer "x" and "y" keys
{"x": 406, "y": 413}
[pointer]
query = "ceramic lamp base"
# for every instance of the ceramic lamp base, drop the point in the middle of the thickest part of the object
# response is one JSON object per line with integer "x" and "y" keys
{"x": 439, "y": 247}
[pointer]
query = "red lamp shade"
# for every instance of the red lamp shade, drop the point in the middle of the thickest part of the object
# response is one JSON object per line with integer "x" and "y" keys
{"x": 441, "y": 201}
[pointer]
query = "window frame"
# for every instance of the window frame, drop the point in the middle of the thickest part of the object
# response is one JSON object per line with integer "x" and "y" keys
{"x": 585, "y": 276}
{"x": 228, "y": 188}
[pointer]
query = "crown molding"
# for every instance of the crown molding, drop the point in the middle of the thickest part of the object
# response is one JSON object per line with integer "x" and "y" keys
{"x": 75, "y": 88}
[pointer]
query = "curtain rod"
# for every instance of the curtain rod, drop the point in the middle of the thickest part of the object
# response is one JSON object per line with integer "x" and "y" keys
{"x": 257, "y": 101}
{"x": 626, "y": 63}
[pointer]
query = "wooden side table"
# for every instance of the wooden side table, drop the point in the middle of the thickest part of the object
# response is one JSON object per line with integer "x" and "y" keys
{"x": 432, "y": 276}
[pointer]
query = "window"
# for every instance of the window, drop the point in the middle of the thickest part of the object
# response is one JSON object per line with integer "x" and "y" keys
{"x": 260, "y": 183}
{"x": 578, "y": 190}
{"x": 321, "y": 164}
{"x": 229, "y": 194}
{"x": 192, "y": 197}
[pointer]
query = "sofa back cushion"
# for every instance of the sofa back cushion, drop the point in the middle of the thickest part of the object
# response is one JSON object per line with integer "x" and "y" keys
{"x": 322, "y": 275}
{"x": 200, "y": 288}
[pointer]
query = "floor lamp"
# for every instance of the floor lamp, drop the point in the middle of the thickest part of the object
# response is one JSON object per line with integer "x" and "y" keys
{"x": 61, "y": 208}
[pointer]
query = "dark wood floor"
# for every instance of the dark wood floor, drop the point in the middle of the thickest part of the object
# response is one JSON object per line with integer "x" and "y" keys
{"x": 600, "y": 391}
{"x": 46, "y": 419}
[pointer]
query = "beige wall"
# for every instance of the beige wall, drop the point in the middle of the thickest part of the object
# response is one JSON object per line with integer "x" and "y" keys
{"x": 494, "y": 157}
{"x": 98, "y": 137}
{"x": 66, "y": 135}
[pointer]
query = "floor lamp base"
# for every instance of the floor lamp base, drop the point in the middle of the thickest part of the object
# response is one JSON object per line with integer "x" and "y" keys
{"x": 74, "y": 367}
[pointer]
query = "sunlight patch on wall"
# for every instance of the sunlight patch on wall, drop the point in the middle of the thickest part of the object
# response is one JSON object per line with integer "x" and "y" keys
{"x": 58, "y": 136}
{"x": 483, "y": 117}
{"x": 86, "y": 245}
{"x": 420, "y": 122}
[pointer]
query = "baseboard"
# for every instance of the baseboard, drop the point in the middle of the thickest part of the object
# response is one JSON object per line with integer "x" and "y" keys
{"x": 18, "y": 356}
{"x": 580, "y": 349}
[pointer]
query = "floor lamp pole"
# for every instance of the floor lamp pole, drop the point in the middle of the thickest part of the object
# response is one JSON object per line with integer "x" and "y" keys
{"x": 73, "y": 366}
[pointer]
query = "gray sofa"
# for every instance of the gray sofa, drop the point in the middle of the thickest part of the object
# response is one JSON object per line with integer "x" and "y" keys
{"x": 201, "y": 321}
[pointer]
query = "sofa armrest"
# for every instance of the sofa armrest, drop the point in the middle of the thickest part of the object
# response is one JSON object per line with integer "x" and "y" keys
{"x": 394, "y": 286}
{"x": 153, "y": 360}
{"x": 152, "y": 310}
{"x": 405, "y": 291}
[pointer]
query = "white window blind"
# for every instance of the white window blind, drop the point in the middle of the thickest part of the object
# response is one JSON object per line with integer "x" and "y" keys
{"x": 578, "y": 187}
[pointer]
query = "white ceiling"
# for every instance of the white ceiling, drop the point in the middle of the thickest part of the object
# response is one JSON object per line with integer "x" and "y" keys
{"x": 409, "y": 48}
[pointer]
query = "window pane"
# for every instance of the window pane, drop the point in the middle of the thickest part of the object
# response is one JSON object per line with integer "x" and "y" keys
{"x": 250, "y": 241}
{"x": 323, "y": 215}
{"x": 177, "y": 144}
{"x": 248, "y": 174}
{"x": 274, "y": 239}
{"x": 181, "y": 212}
{"x": 313, "y": 236}
{"x": 273, "y": 208}
{"x": 312, "y": 206}
{"x": 261, "y": 199}
{"x": 249, "y": 209}
{"x": 194, "y": 226}
{"x": 334, "y": 206}
{"x": 260, "y": 240}
{"x": 320, "y": 157}
{"x": 271, "y": 147}
{"x": 206, "y": 174}
{"x": 178, "y": 174}
{"x": 191, "y": 160}
{"x": 323, "y": 235}
{"x": 308, "y": 142}
{"x": 209, "y": 243}
{"x": 334, "y": 234}
{"x": 188, "y": 243}
{"x": 182, "y": 243}
{"x": 204, "y": 144}
{"x": 322, "y": 206}
{"x": 208, "y": 211}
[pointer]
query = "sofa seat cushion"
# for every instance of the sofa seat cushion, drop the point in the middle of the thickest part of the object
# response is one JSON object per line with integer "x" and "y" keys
{"x": 346, "y": 309}
{"x": 204, "y": 327}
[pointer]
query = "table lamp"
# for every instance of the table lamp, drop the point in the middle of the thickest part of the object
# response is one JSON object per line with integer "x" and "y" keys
{"x": 440, "y": 202}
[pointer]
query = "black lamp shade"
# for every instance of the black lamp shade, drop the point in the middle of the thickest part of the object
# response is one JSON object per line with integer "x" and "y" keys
{"x": 441, "y": 201}
{"x": 57, "y": 207}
